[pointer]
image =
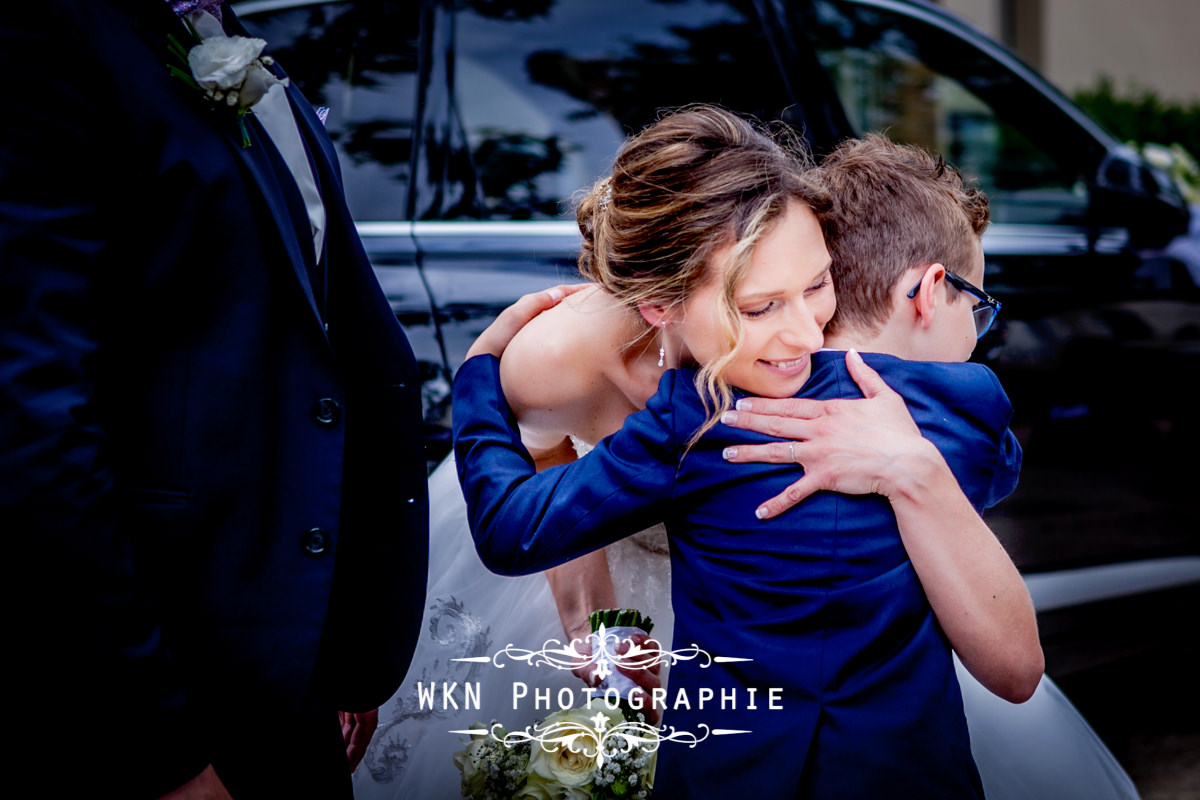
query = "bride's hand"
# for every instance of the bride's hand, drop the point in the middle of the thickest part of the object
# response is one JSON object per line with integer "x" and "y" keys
{"x": 848, "y": 446}
{"x": 496, "y": 336}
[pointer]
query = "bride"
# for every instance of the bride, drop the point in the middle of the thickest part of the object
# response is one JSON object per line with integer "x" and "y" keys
{"x": 572, "y": 376}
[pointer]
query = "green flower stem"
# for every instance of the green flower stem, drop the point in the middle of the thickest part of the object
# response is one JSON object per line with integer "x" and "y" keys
{"x": 183, "y": 76}
{"x": 620, "y": 618}
{"x": 177, "y": 50}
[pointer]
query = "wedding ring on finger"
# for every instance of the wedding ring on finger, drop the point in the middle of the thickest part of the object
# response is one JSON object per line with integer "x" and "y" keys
{"x": 792, "y": 452}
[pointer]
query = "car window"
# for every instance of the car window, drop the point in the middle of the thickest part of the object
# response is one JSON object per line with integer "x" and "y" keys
{"x": 921, "y": 85}
{"x": 545, "y": 91}
{"x": 359, "y": 61}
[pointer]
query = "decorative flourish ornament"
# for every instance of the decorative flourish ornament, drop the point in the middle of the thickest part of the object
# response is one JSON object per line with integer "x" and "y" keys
{"x": 604, "y": 648}
{"x": 589, "y": 752}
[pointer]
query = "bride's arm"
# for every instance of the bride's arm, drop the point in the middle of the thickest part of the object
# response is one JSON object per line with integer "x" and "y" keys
{"x": 872, "y": 446}
{"x": 544, "y": 382}
{"x": 550, "y": 378}
{"x": 580, "y": 586}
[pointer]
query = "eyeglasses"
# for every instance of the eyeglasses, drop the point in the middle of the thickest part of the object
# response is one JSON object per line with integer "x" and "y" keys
{"x": 984, "y": 312}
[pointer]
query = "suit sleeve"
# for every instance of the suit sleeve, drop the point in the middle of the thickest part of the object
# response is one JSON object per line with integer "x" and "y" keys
{"x": 523, "y": 521}
{"x": 1008, "y": 450}
{"x": 964, "y": 411}
{"x": 88, "y": 641}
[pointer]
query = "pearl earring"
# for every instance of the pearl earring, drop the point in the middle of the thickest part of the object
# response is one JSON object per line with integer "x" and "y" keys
{"x": 662, "y": 350}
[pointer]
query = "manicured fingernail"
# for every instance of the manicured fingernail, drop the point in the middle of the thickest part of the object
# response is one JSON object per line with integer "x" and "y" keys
{"x": 761, "y": 512}
{"x": 556, "y": 294}
{"x": 852, "y": 353}
{"x": 728, "y": 453}
{"x": 729, "y": 417}
{"x": 744, "y": 405}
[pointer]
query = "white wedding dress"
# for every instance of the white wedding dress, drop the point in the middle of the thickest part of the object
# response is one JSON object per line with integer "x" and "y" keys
{"x": 471, "y": 612}
{"x": 1041, "y": 750}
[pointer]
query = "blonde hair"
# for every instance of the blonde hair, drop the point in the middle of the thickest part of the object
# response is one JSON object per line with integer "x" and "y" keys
{"x": 699, "y": 179}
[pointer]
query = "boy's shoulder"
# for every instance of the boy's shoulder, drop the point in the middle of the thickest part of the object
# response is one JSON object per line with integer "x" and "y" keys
{"x": 933, "y": 391}
{"x": 929, "y": 387}
{"x": 939, "y": 378}
{"x": 830, "y": 379}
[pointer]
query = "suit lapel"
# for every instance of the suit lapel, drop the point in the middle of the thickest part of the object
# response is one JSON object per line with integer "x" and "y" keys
{"x": 257, "y": 160}
{"x": 154, "y": 21}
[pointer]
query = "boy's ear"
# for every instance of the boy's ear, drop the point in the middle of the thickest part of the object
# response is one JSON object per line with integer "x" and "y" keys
{"x": 927, "y": 294}
{"x": 655, "y": 315}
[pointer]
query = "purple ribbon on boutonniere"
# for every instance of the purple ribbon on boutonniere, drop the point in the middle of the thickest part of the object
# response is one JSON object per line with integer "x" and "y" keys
{"x": 184, "y": 7}
{"x": 230, "y": 71}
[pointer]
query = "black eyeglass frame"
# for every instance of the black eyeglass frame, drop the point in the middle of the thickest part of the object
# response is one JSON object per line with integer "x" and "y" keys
{"x": 987, "y": 304}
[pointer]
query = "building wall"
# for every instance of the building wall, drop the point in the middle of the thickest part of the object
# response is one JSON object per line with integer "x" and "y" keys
{"x": 984, "y": 14}
{"x": 1147, "y": 44}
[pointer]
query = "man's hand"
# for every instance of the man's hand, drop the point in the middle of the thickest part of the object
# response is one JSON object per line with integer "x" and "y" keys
{"x": 358, "y": 729}
{"x": 205, "y": 786}
{"x": 496, "y": 336}
{"x": 848, "y": 446}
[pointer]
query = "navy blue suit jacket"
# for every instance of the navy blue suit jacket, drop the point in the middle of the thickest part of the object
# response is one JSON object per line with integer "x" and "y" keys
{"x": 211, "y": 445}
{"x": 823, "y": 599}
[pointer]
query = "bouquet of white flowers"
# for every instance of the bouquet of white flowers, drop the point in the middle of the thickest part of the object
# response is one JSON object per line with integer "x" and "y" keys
{"x": 589, "y": 753}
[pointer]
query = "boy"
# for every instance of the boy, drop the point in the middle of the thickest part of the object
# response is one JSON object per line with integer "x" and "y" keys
{"x": 904, "y": 236}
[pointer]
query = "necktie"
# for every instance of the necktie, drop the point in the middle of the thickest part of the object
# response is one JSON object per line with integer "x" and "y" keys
{"x": 184, "y": 7}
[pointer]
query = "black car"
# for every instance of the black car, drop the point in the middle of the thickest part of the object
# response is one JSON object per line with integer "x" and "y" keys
{"x": 465, "y": 126}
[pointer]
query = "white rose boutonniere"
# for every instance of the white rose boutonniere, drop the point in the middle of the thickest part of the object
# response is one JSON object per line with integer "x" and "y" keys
{"x": 230, "y": 70}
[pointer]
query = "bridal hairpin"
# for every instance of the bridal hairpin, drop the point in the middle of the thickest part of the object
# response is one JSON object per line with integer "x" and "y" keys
{"x": 606, "y": 196}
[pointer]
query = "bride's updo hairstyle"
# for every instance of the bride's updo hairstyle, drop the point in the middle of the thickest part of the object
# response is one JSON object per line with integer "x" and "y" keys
{"x": 697, "y": 180}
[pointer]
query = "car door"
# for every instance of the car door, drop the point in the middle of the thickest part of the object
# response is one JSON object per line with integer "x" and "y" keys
{"x": 1100, "y": 329}
{"x": 361, "y": 65}
{"x": 538, "y": 97}
{"x": 465, "y": 127}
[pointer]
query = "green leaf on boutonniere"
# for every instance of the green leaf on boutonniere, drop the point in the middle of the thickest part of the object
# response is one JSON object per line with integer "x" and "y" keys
{"x": 230, "y": 72}
{"x": 183, "y": 72}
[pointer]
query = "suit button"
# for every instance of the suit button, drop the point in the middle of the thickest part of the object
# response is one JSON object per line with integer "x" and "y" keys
{"x": 315, "y": 541}
{"x": 327, "y": 411}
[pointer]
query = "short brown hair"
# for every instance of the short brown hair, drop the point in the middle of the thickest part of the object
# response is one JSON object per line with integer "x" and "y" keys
{"x": 895, "y": 207}
{"x": 695, "y": 181}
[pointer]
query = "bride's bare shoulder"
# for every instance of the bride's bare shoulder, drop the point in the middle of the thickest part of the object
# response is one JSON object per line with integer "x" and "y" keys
{"x": 566, "y": 355}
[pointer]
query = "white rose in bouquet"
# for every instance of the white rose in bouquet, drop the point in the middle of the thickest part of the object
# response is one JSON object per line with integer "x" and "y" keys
{"x": 534, "y": 789}
{"x": 571, "y": 760}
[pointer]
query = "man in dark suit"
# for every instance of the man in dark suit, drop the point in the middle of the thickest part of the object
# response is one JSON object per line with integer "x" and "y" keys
{"x": 210, "y": 435}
